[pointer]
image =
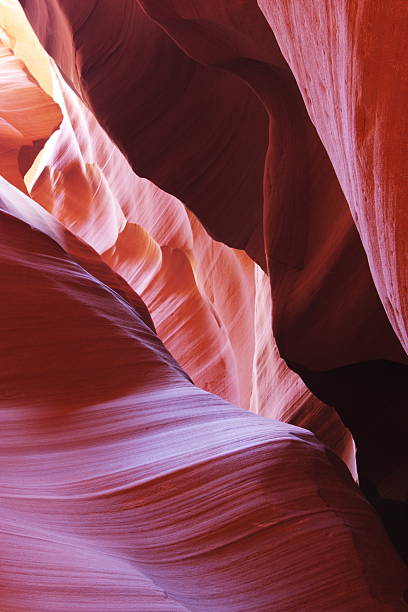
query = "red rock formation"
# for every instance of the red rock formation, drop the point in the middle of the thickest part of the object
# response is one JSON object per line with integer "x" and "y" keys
{"x": 349, "y": 61}
{"x": 292, "y": 211}
{"x": 124, "y": 484}
{"x": 117, "y": 471}
{"x": 328, "y": 319}
{"x": 210, "y": 305}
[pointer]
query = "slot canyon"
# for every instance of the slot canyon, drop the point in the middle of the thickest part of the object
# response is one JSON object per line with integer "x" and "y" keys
{"x": 204, "y": 315}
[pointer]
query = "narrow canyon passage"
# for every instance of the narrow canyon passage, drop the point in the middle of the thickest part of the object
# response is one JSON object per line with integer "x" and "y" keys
{"x": 204, "y": 319}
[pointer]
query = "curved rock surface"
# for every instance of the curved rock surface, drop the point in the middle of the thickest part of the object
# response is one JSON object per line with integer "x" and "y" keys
{"x": 118, "y": 472}
{"x": 211, "y": 306}
{"x": 328, "y": 319}
{"x": 352, "y": 79}
{"x": 123, "y": 483}
{"x": 305, "y": 219}
{"x": 21, "y": 138}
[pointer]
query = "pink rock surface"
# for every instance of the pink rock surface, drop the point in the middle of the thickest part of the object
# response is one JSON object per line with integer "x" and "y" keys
{"x": 130, "y": 478}
{"x": 202, "y": 295}
{"x": 328, "y": 320}
{"x": 117, "y": 471}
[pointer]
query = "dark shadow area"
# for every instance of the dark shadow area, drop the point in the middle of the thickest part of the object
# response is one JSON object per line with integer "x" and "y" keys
{"x": 372, "y": 399}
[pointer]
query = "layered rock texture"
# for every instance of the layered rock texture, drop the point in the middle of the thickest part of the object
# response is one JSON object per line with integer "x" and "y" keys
{"x": 204, "y": 323}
